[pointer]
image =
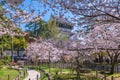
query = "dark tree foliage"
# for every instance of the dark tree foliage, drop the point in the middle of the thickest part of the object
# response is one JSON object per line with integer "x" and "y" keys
{"x": 34, "y": 28}
{"x": 46, "y": 30}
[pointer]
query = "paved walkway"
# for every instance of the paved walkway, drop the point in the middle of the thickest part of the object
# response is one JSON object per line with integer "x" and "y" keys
{"x": 32, "y": 75}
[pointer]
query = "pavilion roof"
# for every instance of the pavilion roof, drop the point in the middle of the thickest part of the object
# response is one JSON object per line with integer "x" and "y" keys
{"x": 62, "y": 20}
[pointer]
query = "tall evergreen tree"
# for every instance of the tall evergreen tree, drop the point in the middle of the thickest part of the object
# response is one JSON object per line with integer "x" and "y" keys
{"x": 41, "y": 29}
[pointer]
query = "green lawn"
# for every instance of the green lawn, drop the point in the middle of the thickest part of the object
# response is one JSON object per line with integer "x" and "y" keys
{"x": 5, "y": 71}
{"x": 69, "y": 74}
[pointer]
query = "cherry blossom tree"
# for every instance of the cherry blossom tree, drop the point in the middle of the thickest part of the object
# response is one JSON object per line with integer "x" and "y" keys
{"x": 103, "y": 38}
{"x": 16, "y": 13}
{"x": 88, "y": 11}
{"x": 83, "y": 12}
{"x": 80, "y": 53}
{"x": 103, "y": 14}
{"x": 43, "y": 50}
{"x": 106, "y": 38}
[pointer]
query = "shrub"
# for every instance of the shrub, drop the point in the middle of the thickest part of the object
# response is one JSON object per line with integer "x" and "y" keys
{"x": 6, "y": 59}
{"x": 57, "y": 77}
{"x": 1, "y": 63}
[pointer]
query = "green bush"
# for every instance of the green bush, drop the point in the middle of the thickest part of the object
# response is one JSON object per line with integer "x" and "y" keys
{"x": 57, "y": 77}
{"x": 1, "y": 63}
{"x": 43, "y": 77}
{"x": 6, "y": 59}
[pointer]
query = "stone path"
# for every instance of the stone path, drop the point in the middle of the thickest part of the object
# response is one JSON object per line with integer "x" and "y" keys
{"x": 32, "y": 75}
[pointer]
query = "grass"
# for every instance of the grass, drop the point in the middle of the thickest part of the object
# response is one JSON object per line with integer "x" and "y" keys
{"x": 68, "y": 74}
{"x": 54, "y": 70}
{"x": 115, "y": 75}
{"x": 5, "y": 71}
{"x": 43, "y": 77}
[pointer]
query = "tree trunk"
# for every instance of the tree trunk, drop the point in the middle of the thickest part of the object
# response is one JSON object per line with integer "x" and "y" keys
{"x": 18, "y": 53}
{"x": 78, "y": 68}
{"x": 12, "y": 56}
{"x": 112, "y": 68}
{"x": 2, "y": 52}
{"x": 2, "y": 49}
{"x": 12, "y": 51}
{"x": 78, "y": 73}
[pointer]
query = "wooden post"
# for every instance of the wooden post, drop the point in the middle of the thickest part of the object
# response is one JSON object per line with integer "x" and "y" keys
{"x": 112, "y": 78}
{"x": 105, "y": 76}
{"x": 8, "y": 77}
{"x": 117, "y": 69}
{"x": 18, "y": 77}
{"x": 37, "y": 77}
{"x": 24, "y": 73}
{"x": 96, "y": 73}
{"x": 26, "y": 70}
{"x": 48, "y": 76}
{"x": 39, "y": 68}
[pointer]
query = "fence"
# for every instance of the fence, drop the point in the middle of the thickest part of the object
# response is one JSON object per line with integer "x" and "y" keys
{"x": 105, "y": 77}
{"x": 87, "y": 65}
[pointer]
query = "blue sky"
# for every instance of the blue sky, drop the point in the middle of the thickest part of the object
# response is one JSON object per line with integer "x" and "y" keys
{"x": 38, "y": 7}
